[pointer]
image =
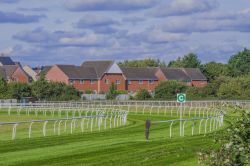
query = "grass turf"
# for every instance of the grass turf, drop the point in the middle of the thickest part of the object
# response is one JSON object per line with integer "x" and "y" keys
{"x": 123, "y": 145}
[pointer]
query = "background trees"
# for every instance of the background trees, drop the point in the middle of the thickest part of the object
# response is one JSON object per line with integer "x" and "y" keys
{"x": 142, "y": 63}
{"x": 213, "y": 70}
{"x": 167, "y": 90}
{"x": 239, "y": 64}
{"x": 188, "y": 61}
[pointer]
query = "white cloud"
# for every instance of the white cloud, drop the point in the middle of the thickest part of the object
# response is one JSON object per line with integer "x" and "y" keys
{"x": 116, "y": 5}
{"x": 184, "y": 7}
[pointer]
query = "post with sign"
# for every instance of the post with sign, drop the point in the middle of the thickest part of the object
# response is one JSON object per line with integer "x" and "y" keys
{"x": 181, "y": 98}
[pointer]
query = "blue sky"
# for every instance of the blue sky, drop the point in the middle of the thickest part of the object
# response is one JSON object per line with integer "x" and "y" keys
{"x": 71, "y": 31}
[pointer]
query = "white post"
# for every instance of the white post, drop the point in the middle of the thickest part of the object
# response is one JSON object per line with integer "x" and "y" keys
{"x": 181, "y": 120}
{"x": 170, "y": 129}
{"x": 30, "y": 129}
{"x": 14, "y": 131}
{"x": 44, "y": 128}
{"x": 200, "y": 126}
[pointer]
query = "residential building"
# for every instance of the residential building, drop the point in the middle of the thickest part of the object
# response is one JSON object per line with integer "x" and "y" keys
{"x": 140, "y": 78}
{"x": 190, "y": 76}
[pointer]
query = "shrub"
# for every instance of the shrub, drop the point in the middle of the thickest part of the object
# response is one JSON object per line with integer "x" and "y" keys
{"x": 88, "y": 91}
{"x": 235, "y": 145}
{"x": 111, "y": 95}
{"x": 168, "y": 89}
{"x": 143, "y": 94}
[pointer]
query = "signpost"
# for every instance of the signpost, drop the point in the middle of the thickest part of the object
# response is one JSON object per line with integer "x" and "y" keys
{"x": 181, "y": 98}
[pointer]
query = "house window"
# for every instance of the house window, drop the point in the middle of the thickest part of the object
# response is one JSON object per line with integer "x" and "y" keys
{"x": 92, "y": 81}
{"x": 117, "y": 82}
{"x": 81, "y": 81}
{"x": 72, "y": 82}
{"x": 140, "y": 81}
{"x": 129, "y": 82}
{"x": 151, "y": 81}
{"x": 106, "y": 81}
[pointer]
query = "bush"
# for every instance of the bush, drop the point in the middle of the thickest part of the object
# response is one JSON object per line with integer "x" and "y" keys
{"x": 111, "y": 95}
{"x": 168, "y": 89}
{"x": 88, "y": 92}
{"x": 142, "y": 94}
{"x": 235, "y": 147}
{"x": 19, "y": 90}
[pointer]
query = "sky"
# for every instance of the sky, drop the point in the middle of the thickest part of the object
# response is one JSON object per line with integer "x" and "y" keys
{"x": 50, "y": 32}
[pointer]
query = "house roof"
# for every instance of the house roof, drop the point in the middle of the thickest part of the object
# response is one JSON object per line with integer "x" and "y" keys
{"x": 2, "y": 73}
{"x": 175, "y": 74}
{"x": 78, "y": 72}
{"x": 45, "y": 69}
{"x": 5, "y": 60}
{"x": 183, "y": 74}
{"x": 10, "y": 69}
{"x": 100, "y": 66}
{"x": 133, "y": 73}
{"x": 194, "y": 74}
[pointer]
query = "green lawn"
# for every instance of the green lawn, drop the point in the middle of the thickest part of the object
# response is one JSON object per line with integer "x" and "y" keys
{"x": 124, "y": 145}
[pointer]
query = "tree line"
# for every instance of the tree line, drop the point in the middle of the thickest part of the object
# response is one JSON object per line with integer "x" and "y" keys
{"x": 41, "y": 89}
{"x": 229, "y": 80}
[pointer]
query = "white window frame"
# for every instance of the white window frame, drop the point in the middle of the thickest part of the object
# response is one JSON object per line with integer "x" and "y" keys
{"x": 92, "y": 81}
{"x": 81, "y": 81}
{"x": 129, "y": 82}
{"x": 106, "y": 81}
{"x": 117, "y": 82}
{"x": 72, "y": 82}
{"x": 140, "y": 82}
{"x": 151, "y": 81}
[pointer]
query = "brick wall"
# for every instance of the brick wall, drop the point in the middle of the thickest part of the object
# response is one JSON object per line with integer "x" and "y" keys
{"x": 199, "y": 83}
{"x": 56, "y": 75}
{"x": 111, "y": 78}
{"x": 160, "y": 75}
{"x": 86, "y": 85}
{"x": 20, "y": 76}
{"x": 135, "y": 86}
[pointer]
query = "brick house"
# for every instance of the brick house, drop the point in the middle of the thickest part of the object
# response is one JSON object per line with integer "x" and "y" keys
{"x": 140, "y": 78}
{"x": 107, "y": 72}
{"x": 190, "y": 76}
{"x": 12, "y": 71}
{"x": 15, "y": 73}
{"x": 96, "y": 76}
{"x": 82, "y": 78}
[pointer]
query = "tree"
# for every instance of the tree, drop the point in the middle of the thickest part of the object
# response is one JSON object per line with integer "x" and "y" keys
{"x": 40, "y": 88}
{"x": 111, "y": 95}
{"x": 3, "y": 89}
{"x": 19, "y": 90}
{"x": 188, "y": 61}
{"x": 142, "y": 94}
{"x": 142, "y": 63}
{"x": 212, "y": 70}
{"x": 239, "y": 64}
{"x": 168, "y": 89}
{"x": 235, "y": 144}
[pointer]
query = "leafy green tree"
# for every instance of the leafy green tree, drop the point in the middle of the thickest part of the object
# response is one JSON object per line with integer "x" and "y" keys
{"x": 212, "y": 70}
{"x": 168, "y": 89}
{"x": 111, "y": 95}
{"x": 188, "y": 61}
{"x": 239, "y": 64}
{"x": 19, "y": 90}
{"x": 235, "y": 88}
{"x": 142, "y": 63}
{"x": 142, "y": 94}
{"x": 235, "y": 147}
{"x": 3, "y": 89}
{"x": 40, "y": 88}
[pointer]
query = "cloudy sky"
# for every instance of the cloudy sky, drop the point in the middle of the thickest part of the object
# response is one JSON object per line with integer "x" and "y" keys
{"x": 39, "y": 32}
